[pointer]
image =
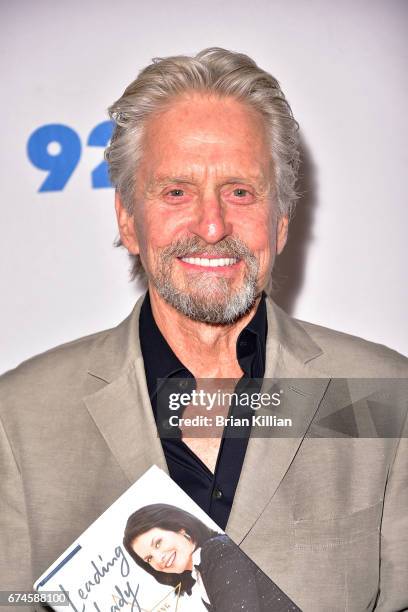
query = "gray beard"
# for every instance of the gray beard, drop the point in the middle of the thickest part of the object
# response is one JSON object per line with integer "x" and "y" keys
{"x": 214, "y": 301}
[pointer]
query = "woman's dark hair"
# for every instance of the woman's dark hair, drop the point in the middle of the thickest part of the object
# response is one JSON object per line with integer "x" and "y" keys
{"x": 170, "y": 518}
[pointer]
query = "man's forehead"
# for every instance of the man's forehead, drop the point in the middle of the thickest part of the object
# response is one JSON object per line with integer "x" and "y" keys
{"x": 205, "y": 124}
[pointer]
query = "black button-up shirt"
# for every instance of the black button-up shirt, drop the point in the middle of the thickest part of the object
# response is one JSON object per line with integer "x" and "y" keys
{"x": 213, "y": 492}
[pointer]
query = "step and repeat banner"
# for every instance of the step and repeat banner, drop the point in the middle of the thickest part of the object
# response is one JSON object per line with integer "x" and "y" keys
{"x": 343, "y": 69}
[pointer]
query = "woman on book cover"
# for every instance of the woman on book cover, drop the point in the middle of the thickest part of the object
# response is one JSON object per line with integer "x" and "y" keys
{"x": 178, "y": 550}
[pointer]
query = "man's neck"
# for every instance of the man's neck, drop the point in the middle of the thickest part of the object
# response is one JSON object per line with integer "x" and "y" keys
{"x": 209, "y": 351}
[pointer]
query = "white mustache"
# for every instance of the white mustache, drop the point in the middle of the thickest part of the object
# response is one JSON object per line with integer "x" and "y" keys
{"x": 230, "y": 247}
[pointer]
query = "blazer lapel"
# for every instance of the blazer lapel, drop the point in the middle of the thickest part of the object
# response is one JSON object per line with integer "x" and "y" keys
{"x": 121, "y": 406}
{"x": 289, "y": 356}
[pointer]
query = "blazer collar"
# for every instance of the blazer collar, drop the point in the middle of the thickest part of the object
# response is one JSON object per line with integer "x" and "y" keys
{"x": 116, "y": 349}
{"x": 287, "y": 337}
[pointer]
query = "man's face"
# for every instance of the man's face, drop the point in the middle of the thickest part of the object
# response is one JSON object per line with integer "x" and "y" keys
{"x": 205, "y": 219}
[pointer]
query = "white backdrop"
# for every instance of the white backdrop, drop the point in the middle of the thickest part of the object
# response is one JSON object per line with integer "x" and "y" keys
{"x": 343, "y": 67}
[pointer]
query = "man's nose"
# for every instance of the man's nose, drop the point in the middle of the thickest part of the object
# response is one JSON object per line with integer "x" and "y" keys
{"x": 210, "y": 222}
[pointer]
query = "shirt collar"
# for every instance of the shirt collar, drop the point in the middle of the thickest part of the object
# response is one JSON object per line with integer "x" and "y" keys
{"x": 159, "y": 359}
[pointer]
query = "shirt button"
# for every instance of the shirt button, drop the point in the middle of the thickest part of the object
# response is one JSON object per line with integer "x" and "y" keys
{"x": 183, "y": 384}
{"x": 218, "y": 494}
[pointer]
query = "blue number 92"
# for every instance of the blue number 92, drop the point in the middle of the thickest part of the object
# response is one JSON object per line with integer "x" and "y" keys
{"x": 57, "y": 149}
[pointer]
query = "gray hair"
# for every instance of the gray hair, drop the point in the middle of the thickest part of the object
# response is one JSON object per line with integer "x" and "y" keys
{"x": 217, "y": 71}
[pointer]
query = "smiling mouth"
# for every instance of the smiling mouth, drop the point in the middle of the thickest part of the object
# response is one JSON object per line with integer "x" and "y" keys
{"x": 213, "y": 262}
{"x": 170, "y": 560}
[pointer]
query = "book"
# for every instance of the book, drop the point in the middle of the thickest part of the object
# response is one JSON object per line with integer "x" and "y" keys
{"x": 155, "y": 550}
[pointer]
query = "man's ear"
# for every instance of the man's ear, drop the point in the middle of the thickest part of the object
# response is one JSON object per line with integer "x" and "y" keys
{"x": 282, "y": 233}
{"x": 126, "y": 226}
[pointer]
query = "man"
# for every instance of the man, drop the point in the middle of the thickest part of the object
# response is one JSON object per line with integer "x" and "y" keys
{"x": 204, "y": 160}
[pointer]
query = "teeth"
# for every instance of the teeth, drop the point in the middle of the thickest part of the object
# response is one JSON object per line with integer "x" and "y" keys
{"x": 211, "y": 263}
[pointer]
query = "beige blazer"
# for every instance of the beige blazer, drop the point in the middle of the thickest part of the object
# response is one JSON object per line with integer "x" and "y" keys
{"x": 326, "y": 518}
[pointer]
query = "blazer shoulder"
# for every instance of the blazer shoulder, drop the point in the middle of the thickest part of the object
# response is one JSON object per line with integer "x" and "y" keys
{"x": 356, "y": 356}
{"x": 53, "y": 368}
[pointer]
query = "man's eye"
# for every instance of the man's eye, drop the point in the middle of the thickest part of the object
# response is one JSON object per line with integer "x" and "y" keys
{"x": 176, "y": 193}
{"x": 148, "y": 559}
{"x": 157, "y": 543}
{"x": 241, "y": 193}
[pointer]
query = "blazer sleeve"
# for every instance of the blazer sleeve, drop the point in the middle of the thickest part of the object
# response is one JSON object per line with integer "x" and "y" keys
{"x": 15, "y": 558}
{"x": 393, "y": 595}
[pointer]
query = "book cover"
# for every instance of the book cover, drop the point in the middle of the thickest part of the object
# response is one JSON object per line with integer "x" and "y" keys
{"x": 155, "y": 550}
